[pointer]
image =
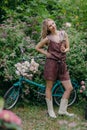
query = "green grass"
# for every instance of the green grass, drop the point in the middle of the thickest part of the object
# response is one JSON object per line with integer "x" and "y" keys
{"x": 34, "y": 117}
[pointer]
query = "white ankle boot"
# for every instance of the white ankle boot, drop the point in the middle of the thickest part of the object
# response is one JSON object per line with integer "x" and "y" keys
{"x": 63, "y": 108}
{"x": 50, "y": 108}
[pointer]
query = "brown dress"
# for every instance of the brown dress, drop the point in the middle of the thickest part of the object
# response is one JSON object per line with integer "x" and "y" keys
{"x": 55, "y": 66}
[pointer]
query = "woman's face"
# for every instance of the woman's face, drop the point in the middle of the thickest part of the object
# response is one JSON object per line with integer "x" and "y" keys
{"x": 51, "y": 26}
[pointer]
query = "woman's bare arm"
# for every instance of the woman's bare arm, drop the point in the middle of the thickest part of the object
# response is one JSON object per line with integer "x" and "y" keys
{"x": 67, "y": 44}
{"x": 40, "y": 45}
{"x": 66, "y": 47}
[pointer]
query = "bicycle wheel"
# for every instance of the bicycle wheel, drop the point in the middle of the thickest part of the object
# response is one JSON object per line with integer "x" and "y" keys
{"x": 11, "y": 97}
{"x": 59, "y": 92}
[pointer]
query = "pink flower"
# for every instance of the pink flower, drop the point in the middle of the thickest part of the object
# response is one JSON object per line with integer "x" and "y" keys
{"x": 83, "y": 87}
{"x": 10, "y": 117}
{"x": 82, "y": 82}
{"x": 81, "y": 91}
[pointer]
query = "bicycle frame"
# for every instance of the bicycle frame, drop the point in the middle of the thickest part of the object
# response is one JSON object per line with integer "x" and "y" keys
{"x": 41, "y": 86}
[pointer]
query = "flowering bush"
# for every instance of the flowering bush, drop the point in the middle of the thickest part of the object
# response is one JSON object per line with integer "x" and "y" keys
{"x": 83, "y": 88}
{"x": 8, "y": 119}
{"x": 26, "y": 68}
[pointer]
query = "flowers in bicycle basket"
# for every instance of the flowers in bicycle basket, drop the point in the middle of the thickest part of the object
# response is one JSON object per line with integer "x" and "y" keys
{"x": 83, "y": 88}
{"x": 27, "y": 68}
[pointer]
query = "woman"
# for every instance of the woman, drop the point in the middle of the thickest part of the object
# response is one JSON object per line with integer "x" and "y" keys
{"x": 55, "y": 67}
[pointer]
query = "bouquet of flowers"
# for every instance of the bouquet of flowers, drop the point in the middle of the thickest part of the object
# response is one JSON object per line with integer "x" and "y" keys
{"x": 27, "y": 68}
{"x": 8, "y": 119}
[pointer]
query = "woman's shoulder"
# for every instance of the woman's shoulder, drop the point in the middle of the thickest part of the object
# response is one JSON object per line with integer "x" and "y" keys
{"x": 62, "y": 35}
{"x": 45, "y": 40}
{"x": 62, "y": 32}
{"x": 49, "y": 38}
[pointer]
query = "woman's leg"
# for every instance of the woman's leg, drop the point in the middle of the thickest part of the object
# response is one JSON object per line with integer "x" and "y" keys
{"x": 64, "y": 101}
{"x": 49, "y": 85}
{"x": 68, "y": 88}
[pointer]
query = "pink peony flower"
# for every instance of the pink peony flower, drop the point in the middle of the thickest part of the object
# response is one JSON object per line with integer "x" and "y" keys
{"x": 83, "y": 87}
{"x": 81, "y": 91}
{"x": 82, "y": 82}
{"x": 10, "y": 117}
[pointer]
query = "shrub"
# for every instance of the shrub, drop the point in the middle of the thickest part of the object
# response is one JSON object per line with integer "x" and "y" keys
{"x": 12, "y": 38}
{"x": 76, "y": 58}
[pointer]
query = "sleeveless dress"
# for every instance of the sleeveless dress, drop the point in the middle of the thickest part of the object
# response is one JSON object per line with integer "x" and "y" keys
{"x": 55, "y": 66}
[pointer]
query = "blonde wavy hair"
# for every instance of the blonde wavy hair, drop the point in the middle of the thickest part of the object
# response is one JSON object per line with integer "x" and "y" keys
{"x": 45, "y": 31}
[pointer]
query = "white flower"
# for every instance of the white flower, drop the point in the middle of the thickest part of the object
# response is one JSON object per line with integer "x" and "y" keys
{"x": 17, "y": 72}
{"x": 68, "y": 24}
{"x": 34, "y": 66}
{"x": 18, "y": 65}
{"x": 34, "y": 63}
{"x": 19, "y": 68}
{"x": 27, "y": 63}
{"x": 23, "y": 71}
{"x": 31, "y": 68}
{"x": 24, "y": 74}
{"x": 24, "y": 67}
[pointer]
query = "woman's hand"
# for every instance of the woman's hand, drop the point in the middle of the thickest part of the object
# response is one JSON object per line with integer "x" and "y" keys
{"x": 63, "y": 49}
{"x": 48, "y": 55}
